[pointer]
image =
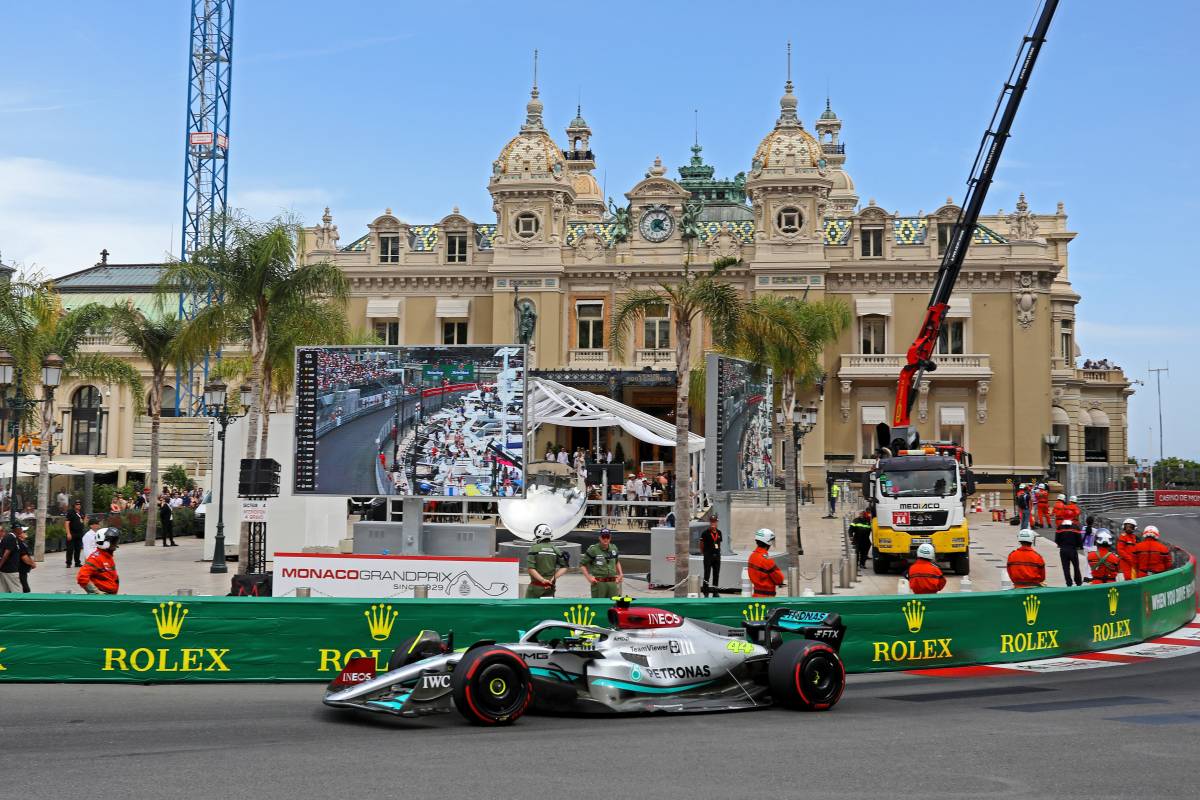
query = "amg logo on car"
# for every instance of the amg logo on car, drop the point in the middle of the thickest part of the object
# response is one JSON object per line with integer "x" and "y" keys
{"x": 669, "y": 673}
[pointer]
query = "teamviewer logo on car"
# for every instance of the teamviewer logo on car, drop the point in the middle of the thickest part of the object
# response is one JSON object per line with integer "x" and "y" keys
{"x": 901, "y": 518}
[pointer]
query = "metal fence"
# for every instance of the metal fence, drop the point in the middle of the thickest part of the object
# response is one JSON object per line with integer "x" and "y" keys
{"x": 1094, "y": 479}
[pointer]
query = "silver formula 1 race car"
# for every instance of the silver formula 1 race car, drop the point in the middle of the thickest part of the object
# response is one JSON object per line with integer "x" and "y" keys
{"x": 647, "y": 660}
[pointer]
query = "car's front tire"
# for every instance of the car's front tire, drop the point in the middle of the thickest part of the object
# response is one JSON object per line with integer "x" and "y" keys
{"x": 806, "y": 676}
{"x": 491, "y": 686}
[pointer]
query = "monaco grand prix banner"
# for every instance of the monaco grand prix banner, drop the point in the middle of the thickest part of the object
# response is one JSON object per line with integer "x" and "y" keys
{"x": 338, "y": 575}
{"x": 166, "y": 639}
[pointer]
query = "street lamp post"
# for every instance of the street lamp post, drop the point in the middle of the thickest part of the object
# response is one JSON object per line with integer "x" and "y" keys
{"x": 18, "y": 404}
{"x": 216, "y": 404}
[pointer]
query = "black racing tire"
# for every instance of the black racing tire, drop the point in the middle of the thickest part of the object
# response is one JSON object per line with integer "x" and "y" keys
{"x": 961, "y": 563}
{"x": 491, "y": 686}
{"x": 806, "y": 676}
{"x": 880, "y": 563}
{"x": 406, "y": 653}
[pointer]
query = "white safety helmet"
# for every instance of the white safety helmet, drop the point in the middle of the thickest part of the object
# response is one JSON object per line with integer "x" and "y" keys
{"x": 765, "y": 536}
{"x": 1026, "y": 536}
{"x": 1074, "y": 498}
{"x": 543, "y": 533}
{"x": 1129, "y": 521}
{"x": 1041, "y": 486}
{"x": 1062, "y": 497}
{"x": 1022, "y": 486}
{"x": 925, "y": 551}
{"x": 1104, "y": 538}
{"x": 1150, "y": 532}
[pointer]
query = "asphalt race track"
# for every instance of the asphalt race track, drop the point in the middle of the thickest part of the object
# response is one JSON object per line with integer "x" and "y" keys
{"x": 1126, "y": 731}
{"x": 348, "y": 456}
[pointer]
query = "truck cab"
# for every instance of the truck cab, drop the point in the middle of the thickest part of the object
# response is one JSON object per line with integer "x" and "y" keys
{"x": 917, "y": 497}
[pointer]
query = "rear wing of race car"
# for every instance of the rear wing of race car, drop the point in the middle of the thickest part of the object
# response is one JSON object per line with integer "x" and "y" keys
{"x": 821, "y": 626}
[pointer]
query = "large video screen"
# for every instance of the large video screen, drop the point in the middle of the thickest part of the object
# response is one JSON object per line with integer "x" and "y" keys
{"x": 433, "y": 422}
{"x": 737, "y": 425}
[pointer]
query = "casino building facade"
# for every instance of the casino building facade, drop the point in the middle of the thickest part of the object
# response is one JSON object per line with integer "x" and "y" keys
{"x": 1007, "y": 384}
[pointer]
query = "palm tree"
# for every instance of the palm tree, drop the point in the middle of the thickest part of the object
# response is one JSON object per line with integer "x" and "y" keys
{"x": 34, "y": 325}
{"x": 320, "y": 323}
{"x": 789, "y": 335}
{"x": 255, "y": 276}
{"x": 156, "y": 340}
{"x": 696, "y": 295}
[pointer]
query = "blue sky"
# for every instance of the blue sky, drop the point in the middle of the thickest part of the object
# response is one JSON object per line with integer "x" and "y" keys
{"x": 362, "y": 105}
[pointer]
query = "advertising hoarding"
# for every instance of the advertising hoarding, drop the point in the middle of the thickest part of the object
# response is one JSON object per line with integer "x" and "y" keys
{"x": 339, "y": 575}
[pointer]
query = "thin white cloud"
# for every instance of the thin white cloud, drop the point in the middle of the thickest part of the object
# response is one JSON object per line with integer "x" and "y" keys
{"x": 57, "y": 218}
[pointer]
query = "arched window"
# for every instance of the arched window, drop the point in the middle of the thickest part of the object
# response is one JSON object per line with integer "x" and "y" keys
{"x": 87, "y": 422}
{"x": 168, "y": 401}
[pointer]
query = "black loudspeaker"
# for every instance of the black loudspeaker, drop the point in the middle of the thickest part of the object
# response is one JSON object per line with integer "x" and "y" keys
{"x": 258, "y": 477}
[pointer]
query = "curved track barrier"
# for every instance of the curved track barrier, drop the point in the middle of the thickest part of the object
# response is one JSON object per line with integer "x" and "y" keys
{"x": 164, "y": 639}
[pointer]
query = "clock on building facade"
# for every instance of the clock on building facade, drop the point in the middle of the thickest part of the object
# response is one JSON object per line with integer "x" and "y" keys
{"x": 656, "y": 225}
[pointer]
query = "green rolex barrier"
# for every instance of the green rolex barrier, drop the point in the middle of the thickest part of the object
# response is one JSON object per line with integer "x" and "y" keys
{"x": 161, "y": 639}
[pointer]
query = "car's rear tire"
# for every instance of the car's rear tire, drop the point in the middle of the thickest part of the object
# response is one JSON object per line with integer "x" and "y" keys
{"x": 806, "y": 676}
{"x": 491, "y": 686}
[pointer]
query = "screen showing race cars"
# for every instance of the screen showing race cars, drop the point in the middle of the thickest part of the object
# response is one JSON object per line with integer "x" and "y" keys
{"x": 737, "y": 423}
{"x": 434, "y": 422}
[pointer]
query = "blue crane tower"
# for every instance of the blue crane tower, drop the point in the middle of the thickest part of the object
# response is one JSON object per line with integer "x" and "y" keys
{"x": 205, "y": 167}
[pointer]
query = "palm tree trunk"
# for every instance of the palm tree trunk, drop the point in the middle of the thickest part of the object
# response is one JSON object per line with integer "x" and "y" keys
{"x": 683, "y": 475}
{"x": 266, "y": 412}
{"x": 258, "y": 357}
{"x": 39, "y": 542}
{"x": 791, "y": 512}
{"x": 155, "y": 426}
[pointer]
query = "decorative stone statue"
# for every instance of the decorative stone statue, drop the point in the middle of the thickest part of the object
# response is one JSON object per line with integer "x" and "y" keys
{"x": 689, "y": 224}
{"x": 622, "y": 221}
{"x": 526, "y": 320}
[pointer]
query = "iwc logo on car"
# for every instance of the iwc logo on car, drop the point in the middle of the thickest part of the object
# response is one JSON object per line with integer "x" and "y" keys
{"x": 381, "y": 618}
{"x": 1113, "y": 629}
{"x": 168, "y": 622}
{"x": 931, "y": 649}
{"x": 1029, "y": 641}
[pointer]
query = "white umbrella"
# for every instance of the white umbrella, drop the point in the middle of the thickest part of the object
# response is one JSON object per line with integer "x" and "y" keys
{"x": 30, "y": 464}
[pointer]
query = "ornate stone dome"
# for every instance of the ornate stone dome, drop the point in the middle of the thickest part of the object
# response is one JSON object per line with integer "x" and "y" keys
{"x": 789, "y": 138}
{"x": 585, "y": 186}
{"x": 532, "y": 146}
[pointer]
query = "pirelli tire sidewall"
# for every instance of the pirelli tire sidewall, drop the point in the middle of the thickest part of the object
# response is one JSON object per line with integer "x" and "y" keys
{"x": 491, "y": 686}
{"x": 806, "y": 676}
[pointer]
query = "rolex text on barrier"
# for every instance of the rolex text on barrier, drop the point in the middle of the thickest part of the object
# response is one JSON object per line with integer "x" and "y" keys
{"x": 344, "y": 575}
{"x": 159, "y": 639}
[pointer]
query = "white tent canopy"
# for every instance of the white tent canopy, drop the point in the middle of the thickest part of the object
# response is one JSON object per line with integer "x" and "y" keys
{"x": 553, "y": 403}
{"x": 28, "y": 465}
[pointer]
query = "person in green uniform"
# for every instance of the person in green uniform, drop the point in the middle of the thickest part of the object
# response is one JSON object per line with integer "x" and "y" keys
{"x": 546, "y": 563}
{"x": 601, "y": 565}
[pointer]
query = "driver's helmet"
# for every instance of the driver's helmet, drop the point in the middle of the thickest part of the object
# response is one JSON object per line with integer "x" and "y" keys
{"x": 543, "y": 533}
{"x": 765, "y": 536}
{"x": 1026, "y": 536}
{"x": 925, "y": 551}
